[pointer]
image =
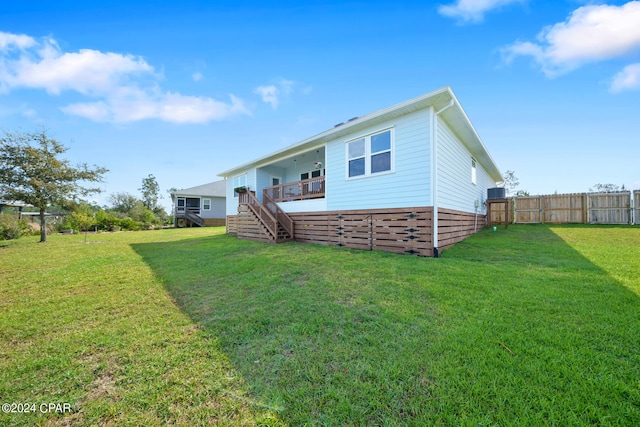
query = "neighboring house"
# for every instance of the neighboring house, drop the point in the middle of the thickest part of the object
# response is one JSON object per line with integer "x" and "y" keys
{"x": 202, "y": 206}
{"x": 10, "y": 206}
{"x": 410, "y": 178}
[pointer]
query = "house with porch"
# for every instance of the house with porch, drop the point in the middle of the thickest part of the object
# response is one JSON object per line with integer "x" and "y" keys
{"x": 410, "y": 178}
{"x": 200, "y": 206}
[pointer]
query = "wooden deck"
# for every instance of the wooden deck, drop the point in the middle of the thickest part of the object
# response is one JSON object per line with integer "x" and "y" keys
{"x": 312, "y": 188}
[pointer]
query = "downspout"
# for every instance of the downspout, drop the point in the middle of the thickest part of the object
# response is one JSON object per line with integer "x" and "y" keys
{"x": 434, "y": 172}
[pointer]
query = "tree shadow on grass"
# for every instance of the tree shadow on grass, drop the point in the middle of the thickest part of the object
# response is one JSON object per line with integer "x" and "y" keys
{"x": 507, "y": 327}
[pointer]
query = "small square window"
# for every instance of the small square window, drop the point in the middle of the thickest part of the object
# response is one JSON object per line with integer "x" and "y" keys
{"x": 356, "y": 148}
{"x": 381, "y": 162}
{"x": 356, "y": 167}
{"x": 381, "y": 142}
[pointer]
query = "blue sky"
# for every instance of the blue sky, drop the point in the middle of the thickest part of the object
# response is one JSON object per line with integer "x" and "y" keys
{"x": 185, "y": 90}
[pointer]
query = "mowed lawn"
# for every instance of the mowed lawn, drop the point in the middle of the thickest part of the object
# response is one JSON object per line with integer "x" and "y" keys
{"x": 534, "y": 325}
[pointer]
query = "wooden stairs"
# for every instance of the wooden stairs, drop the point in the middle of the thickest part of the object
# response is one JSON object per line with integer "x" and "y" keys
{"x": 275, "y": 223}
{"x": 194, "y": 219}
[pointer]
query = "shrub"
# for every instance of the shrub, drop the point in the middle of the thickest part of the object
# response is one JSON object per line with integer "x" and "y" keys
{"x": 12, "y": 228}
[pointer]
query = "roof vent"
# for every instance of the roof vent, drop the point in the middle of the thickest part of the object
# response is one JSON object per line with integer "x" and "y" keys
{"x": 339, "y": 124}
{"x": 353, "y": 118}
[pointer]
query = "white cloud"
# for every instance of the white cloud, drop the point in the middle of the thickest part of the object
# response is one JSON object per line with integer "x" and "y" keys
{"x": 125, "y": 85}
{"x": 592, "y": 33}
{"x": 627, "y": 79}
{"x": 269, "y": 94}
{"x": 472, "y": 10}
{"x": 169, "y": 107}
{"x": 19, "y": 41}
{"x": 274, "y": 93}
{"x": 197, "y": 76}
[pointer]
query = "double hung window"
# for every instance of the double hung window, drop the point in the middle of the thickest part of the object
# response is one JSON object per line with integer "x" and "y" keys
{"x": 370, "y": 155}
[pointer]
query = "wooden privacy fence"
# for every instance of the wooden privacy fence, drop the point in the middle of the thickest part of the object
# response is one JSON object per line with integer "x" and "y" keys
{"x": 580, "y": 208}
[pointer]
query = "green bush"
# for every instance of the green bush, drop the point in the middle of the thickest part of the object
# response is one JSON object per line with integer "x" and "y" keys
{"x": 11, "y": 227}
{"x": 107, "y": 221}
{"x": 130, "y": 224}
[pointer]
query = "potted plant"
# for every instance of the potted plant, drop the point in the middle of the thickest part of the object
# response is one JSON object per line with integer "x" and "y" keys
{"x": 242, "y": 189}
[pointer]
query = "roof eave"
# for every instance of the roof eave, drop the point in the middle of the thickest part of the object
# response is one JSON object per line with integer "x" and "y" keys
{"x": 414, "y": 104}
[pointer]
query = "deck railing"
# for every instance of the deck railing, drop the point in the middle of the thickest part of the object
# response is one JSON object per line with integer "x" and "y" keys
{"x": 182, "y": 210}
{"x": 312, "y": 188}
{"x": 280, "y": 215}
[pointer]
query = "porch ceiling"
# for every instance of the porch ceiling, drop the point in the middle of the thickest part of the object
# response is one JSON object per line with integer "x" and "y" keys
{"x": 315, "y": 155}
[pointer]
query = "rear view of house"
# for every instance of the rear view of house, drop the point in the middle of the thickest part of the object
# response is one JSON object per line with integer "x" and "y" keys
{"x": 411, "y": 178}
{"x": 200, "y": 206}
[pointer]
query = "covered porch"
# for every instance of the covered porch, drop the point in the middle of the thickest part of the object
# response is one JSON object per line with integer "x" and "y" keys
{"x": 306, "y": 189}
{"x": 299, "y": 177}
{"x": 187, "y": 212}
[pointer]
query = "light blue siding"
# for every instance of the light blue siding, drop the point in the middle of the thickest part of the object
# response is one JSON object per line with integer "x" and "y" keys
{"x": 232, "y": 202}
{"x": 217, "y": 207}
{"x": 407, "y": 186}
{"x": 263, "y": 178}
{"x": 455, "y": 189}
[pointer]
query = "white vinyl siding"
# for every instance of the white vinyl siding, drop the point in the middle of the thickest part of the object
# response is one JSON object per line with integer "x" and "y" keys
{"x": 474, "y": 171}
{"x": 455, "y": 188}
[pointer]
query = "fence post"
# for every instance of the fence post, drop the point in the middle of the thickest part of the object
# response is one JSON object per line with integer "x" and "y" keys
{"x": 541, "y": 209}
{"x": 585, "y": 208}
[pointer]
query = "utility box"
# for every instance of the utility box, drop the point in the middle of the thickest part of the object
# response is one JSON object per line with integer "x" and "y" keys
{"x": 496, "y": 193}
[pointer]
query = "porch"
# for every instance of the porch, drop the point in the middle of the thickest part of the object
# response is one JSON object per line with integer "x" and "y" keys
{"x": 306, "y": 189}
{"x": 187, "y": 212}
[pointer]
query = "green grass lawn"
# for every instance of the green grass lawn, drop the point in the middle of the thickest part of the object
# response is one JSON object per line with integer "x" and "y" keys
{"x": 534, "y": 325}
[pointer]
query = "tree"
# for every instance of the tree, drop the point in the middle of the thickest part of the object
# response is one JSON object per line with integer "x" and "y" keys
{"x": 150, "y": 192}
{"x": 32, "y": 172}
{"x": 510, "y": 181}
{"x": 605, "y": 188}
{"x": 123, "y": 202}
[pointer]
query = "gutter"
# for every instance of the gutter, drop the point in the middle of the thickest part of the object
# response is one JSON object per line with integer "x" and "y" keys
{"x": 434, "y": 172}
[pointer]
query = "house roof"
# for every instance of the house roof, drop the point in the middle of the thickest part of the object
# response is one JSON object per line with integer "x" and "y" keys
{"x": 212, "y": 189}
{"x": 455, "y": 117}
{"x": 17, "y": 203}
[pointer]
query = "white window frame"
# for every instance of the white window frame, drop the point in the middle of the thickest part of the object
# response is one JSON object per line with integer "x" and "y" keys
{"x": 474, "y": 171}
{"x": 368, "y": 154}
{"x": 237, "y": 183}
{"x": 204, "y": 204}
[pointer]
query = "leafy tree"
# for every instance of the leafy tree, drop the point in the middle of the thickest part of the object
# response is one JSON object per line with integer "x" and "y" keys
{"x": 32, "y": 172}
{"x": 81, "y": 219}
{"x": 605, "y": 188}
{"x": 511, "y": 182}
{"x": 150, "y": 192}
{"x": 123, "y": 202}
